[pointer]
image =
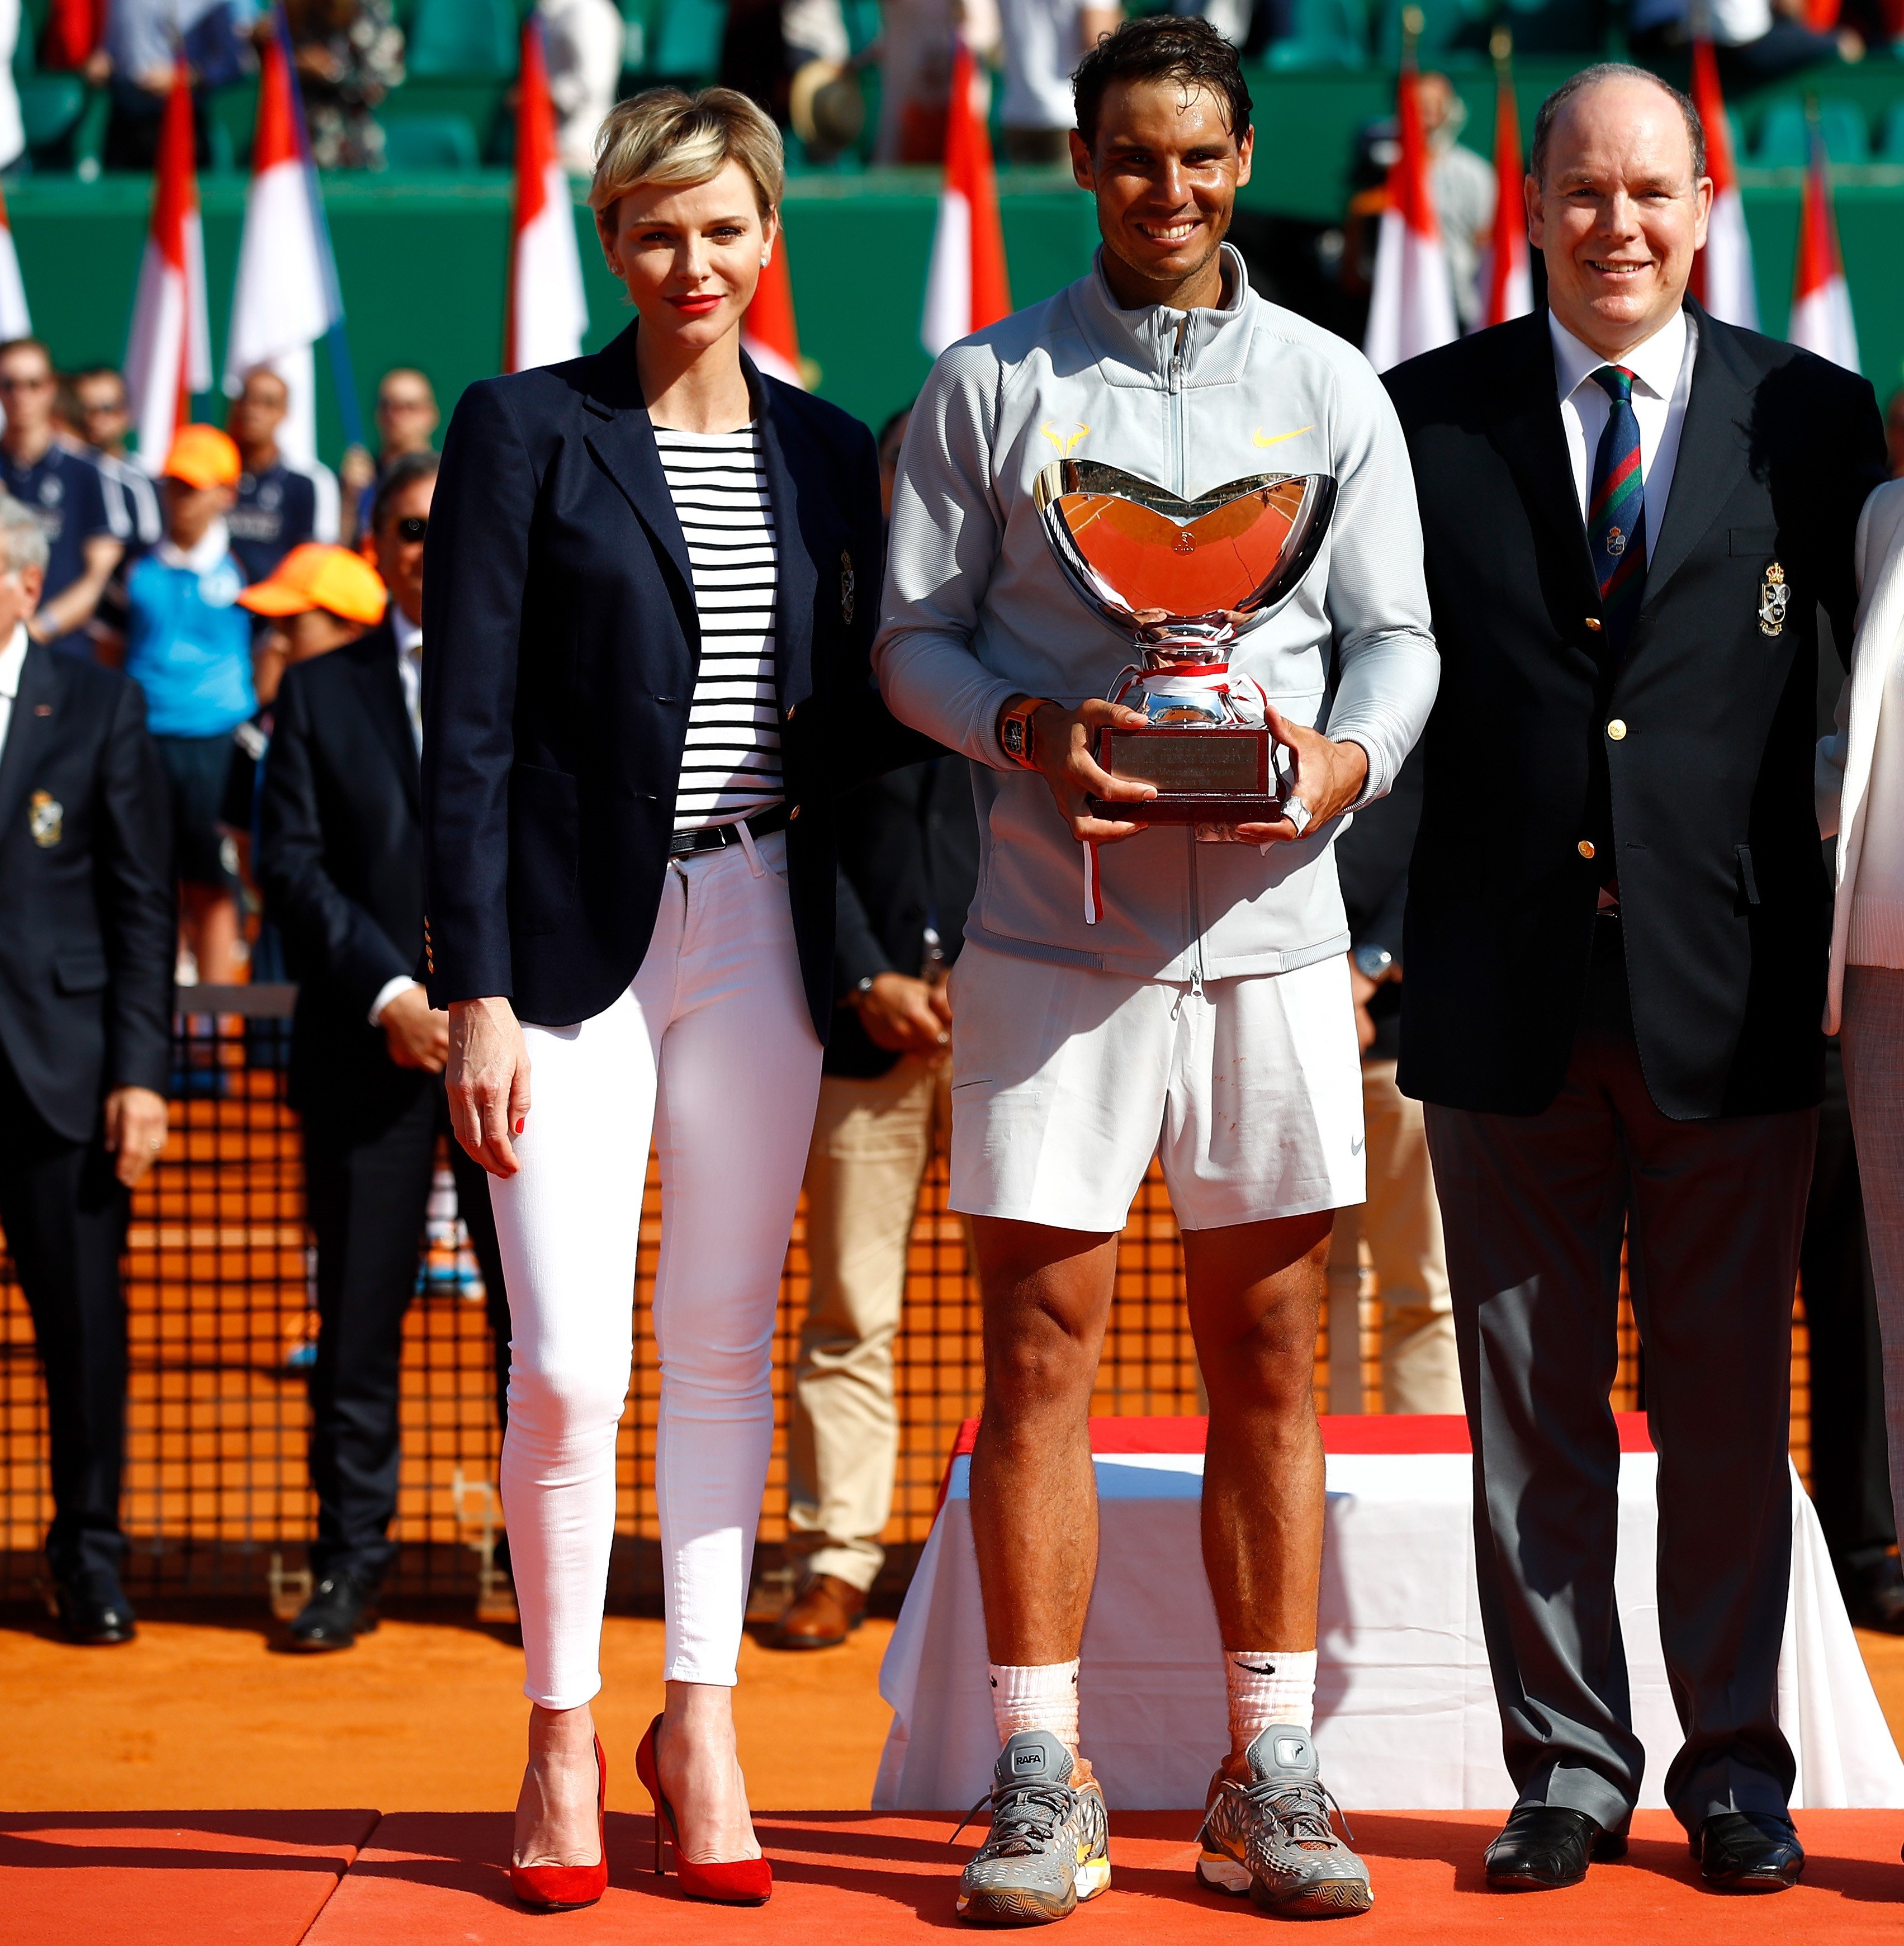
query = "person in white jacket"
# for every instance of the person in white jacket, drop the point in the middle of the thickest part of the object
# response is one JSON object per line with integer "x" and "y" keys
{"x": 1860, "y": 783}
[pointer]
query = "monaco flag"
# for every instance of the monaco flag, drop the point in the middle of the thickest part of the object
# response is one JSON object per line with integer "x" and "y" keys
{"x": 14, "y": 321}
{"x": 768, "y": 331}
{"x": 168, "y": 354}
{"x": 966, "y": 289}
{"x": 1722, "y": 272}
{"x": 286, "y": 297}
{"x": 1412, "y": 308}
{"x": 1821, "y": 302}
{"x": 1506, "y": 281}
{"x": 548, "y": 315}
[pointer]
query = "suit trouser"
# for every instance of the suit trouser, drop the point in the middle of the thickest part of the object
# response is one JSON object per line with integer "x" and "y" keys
{"x": 367, "y": 1190}
{"x": 64, "y": 1213}
{"x": 1850, "y": 1474}
{"x": 872, "y": 1139}
{"x": 1534, "y": 1207}
{"x": 1401, "y": 1223}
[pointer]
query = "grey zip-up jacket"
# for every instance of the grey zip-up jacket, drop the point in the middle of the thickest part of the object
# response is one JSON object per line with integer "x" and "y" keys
{"x": 977, "y": 609}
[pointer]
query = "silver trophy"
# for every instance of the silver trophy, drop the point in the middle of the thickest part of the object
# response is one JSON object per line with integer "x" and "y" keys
{"x": 1187, "y": 579}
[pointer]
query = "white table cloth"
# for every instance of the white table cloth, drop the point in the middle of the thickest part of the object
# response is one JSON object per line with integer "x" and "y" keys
{"x": 1405, "y": 1715}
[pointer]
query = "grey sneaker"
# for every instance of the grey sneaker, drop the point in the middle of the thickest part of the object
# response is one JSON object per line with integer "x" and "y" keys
{"x": 1271, "y": 1838}
{"x": 1050, "y": 1841}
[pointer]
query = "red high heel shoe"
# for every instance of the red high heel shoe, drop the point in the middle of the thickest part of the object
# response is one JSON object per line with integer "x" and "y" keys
{"x": 731, "y": 1882}
{"x": 563, "y": 1888}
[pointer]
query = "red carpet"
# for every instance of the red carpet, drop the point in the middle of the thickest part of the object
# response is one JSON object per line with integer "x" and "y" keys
{"x": 852, "y": 1879}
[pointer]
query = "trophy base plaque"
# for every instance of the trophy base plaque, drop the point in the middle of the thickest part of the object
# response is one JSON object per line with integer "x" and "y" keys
{"x": 1202, "y": 776}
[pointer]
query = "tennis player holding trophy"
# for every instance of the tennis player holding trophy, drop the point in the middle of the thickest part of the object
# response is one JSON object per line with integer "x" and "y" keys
{"x": 1155, "y": 568}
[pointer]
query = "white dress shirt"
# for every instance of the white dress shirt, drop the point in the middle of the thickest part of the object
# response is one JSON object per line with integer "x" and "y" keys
{"x": 13, "y": 659}
{"x": 410, "y": 673}
{"x": 1662, "y": 382}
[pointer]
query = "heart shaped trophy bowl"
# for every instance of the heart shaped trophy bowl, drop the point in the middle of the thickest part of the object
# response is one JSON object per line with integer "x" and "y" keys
{"x": 1186, "y": 579}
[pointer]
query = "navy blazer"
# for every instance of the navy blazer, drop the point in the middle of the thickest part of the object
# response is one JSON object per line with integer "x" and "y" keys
{"x": 87, "y": 935}
{"x": 559, "y": 610}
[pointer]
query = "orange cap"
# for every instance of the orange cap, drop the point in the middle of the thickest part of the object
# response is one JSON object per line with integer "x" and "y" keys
{"x": 201, "y": 455}
{"x": 317, "y": 576}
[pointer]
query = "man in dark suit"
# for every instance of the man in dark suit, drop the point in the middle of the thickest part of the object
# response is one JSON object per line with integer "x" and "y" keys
{"x": 908, "y": 862}
{"x": 86, "y": 946}
{"x": 341, "y": 864}
{"x": 1616, "y": 947}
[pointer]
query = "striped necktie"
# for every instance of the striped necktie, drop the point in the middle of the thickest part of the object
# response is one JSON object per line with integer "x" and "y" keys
{"x": 1616, "y": 508}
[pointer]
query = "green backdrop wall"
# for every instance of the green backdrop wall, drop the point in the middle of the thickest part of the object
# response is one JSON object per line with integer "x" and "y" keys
{"x": 422, "y": 265}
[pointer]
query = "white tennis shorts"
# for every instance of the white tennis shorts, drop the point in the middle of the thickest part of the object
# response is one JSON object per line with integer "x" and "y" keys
{"x": 1065, "y": 1082}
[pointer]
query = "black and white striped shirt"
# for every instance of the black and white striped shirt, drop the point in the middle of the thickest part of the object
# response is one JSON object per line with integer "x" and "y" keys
{"x": 731, "y": 766}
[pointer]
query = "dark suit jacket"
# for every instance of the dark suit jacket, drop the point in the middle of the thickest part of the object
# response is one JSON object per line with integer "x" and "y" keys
{"x": 1704, "y": 806}
{"x": 88, "y": 935}
{"x": 340, "y": 862}
{"x": 908, "y": 859}
{"x": 560, "y": 609}
{"x": 1372, "y": 862}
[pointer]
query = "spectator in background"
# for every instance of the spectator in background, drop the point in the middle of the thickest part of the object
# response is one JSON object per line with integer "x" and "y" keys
{"x": 279, "y": 503}
{"x": 145, "y": 41}
{"x": 916, "y": 71}
{"x": 349, "y": 55}
{"x": 1757, "y": 41}
{"x": 1463, "y": 186}
{"x": 66, "y": 493}
{"x": 1400, "y": 1222}
{"x": 341, "y": 859}
{"x": 86, "y": 945}
{"x": 584, "y": 39}
{"x": 407, "y": 419}
{"x": 908, "y": 861}
{"x": 102, "y": 416}
{"x": 1044, "y": 40}
{"x": 1894, "y": 433}
{"x": 13, "y": 133}
{"x": 187, "y": 645}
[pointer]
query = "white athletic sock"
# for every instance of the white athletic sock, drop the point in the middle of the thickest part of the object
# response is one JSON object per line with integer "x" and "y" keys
{"x": 1042, "y": 1696}
{"x": 1268, "y": 1686}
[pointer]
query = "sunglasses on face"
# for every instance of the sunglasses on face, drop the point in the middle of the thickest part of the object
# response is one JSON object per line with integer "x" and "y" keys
{"x": 412, "y": 526}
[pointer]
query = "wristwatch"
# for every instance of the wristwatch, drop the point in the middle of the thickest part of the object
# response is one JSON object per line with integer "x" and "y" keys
{"x": 1373, "y": 963}
{"x": 1017, "y": 736}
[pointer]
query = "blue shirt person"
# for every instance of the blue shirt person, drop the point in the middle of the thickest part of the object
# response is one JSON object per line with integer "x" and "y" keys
{"x": 281, "y": 502}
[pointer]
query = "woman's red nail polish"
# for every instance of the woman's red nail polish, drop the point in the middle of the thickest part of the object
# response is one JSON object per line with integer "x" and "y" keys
{"x": 520, "y": 1126}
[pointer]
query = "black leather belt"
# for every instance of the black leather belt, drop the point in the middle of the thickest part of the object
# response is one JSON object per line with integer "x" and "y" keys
{"x": 712, "y": 837}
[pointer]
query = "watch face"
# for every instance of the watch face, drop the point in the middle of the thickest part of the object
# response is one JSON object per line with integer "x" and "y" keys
{"x": 1015, "y": 736}
{"x": 1372, "y": 961}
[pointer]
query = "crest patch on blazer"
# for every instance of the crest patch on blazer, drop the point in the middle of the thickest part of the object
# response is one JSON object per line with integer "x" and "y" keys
{"x": 1775, "y": 598}
{"x": 45, "y": 819}
{"x": 847, "y": 583}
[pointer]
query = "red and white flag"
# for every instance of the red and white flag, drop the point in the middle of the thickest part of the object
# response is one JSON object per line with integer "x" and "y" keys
{"x": 286, "y": 296}
{"x": 1412, "y": 308}
{"x": 1506, "y": 282}
{"x": 14, "y": 322}
{"x": 1821, "y": 300}
{"x": 168, "y": 354}
{"x": 1722, "y": 272}
{"x": 965, "y": 286}
{"x": 548, "y": 315}
{"x": 75, "y": 30}
{"x": 768, "y": 331}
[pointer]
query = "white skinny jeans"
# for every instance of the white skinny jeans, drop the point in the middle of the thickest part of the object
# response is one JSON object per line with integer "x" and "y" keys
{"x": 712, "y": 1051}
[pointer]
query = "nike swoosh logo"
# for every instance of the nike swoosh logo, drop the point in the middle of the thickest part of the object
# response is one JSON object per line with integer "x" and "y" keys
{"x": 1355, "y": 1146}
{"x": 1258, "y": 1668}
{"x": 1276, "y": 439}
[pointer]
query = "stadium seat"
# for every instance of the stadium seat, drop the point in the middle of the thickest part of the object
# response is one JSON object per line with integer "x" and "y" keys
{"x": 462, "y": 37}
{"x": 50, "y": 106}
{"x": 1323, "y": 34}
{"x": 1891, "y": 144}
{"x": 862, "y": 23}
{"x": 1555, "y": 26}
{"x": 688, "y": 46}
{"x": 1785, "y": 143}
{"x": 439, "y": 142}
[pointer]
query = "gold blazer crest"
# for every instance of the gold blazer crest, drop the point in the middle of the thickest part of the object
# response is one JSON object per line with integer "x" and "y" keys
{"x": 45, "y": 819}
{"x": 1775, "y": 598}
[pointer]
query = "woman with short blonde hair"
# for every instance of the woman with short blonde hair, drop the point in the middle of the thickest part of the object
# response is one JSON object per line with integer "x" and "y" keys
{"x": 653, "y": 577}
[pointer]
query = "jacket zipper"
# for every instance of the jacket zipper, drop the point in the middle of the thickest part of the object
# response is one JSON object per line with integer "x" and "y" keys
{"x": 1174, "y": 382}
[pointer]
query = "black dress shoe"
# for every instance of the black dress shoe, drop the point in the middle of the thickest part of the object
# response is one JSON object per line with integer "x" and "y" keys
{"x": 1874, "y": 1596}
{"x": 93, "y": 1608}
{"x": 342, "y": 1609}
{"x": 1745, "y": 1851}
{"x": 1543, "y": 1847}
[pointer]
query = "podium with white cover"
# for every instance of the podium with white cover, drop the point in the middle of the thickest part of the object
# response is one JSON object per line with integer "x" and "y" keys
{"x": 1405, "y": 1715}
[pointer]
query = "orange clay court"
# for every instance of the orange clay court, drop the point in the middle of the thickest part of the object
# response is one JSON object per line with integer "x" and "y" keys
{"x": 360, "y": 1799}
